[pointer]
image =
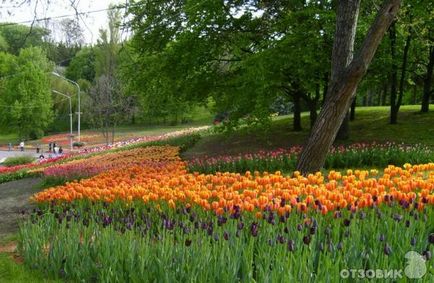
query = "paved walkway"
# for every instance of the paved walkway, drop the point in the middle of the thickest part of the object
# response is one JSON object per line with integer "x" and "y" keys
{"x": 14, "y": 197}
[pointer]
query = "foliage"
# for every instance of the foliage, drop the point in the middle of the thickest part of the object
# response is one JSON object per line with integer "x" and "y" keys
{"x": 17, "y": 175}
{"x": 26, "y": 91}
{"x": 82, "y": 66}
{"x": 19, "y": 37}
{"x": 135, "y": 243}
{"x": 18, "y": 160}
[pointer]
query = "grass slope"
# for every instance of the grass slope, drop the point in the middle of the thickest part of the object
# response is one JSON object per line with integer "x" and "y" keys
{"x": 371, "y": 124}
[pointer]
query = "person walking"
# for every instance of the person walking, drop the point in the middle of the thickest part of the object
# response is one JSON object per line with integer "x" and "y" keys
{"x": 38, "y": 148}
{"x": 10, "y": 146}
{"x": 56, "y": 150}
{"x": 60, "y": 150}
{"x": 50, "y": 146}
{"x": 22, "y": 145}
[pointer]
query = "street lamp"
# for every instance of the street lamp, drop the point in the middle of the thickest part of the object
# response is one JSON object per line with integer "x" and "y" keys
{"x": 70, "y": 115}
{"x": 78, "y": 92}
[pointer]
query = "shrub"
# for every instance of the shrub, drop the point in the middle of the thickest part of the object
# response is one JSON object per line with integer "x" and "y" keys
{"x": 18, "y": 160}
{"x": 78, "y": 144}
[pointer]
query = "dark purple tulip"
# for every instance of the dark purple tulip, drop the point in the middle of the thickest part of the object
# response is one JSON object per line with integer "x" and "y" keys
{"x": 85, "y": 222}
{"x": 282, "y": 219}
{"x": 280, "y": 239}
{"x": 431, "y": 238}
{"x": 387, "y": 249}
{"x": 386, "y": 198}
{"x": 382, "y": 238}
{"x": 340, "y": 245}
{"x": 254, "y": 229}
{"x": 282, "y": 203}
{"x": 427, "y": 254}
{"x": 375, "y": 198}
{"x": 270, "y": 218}
{"x": 169, "y": 224}
{"x": 416, "y": 216}
{"x": 226, "y": 235}
{"x": 107, "y": 220}
{"x": 209, "y": 230}
{"x": 306, "y": 240}
{"x": 347, "y": 222}
{"x": 407, "y": 223}
{"x": 405, "y": 204}
{"x": 240, "y": 225}
{"x": 312, "y": 230}
{"x": 299, "y": 227}
{"x": 413, "y": 241}
{"x": 338, "y": 214}
{"x": 291, "y": 245}
{"x": 286, "y": 230}
{"x": 187, "y": 242}
{"x": 221, "y": 220}
{"x": 129, "y": 226}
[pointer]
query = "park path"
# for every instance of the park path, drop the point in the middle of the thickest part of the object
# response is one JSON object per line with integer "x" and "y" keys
{"x": 14, "y": 197}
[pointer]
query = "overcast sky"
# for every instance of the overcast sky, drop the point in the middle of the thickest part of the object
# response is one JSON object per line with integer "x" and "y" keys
{"x": 90, "y": 22}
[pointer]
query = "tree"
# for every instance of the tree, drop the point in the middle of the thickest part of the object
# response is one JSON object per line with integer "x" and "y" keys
{"x": 427, "y": 92}
{"x": 82, "y": 65}
{"x": 19, "y": 36}
{"x": 345, "y": 77}
{"x": 109, "y": 105}
{"x": 26, "y": 93}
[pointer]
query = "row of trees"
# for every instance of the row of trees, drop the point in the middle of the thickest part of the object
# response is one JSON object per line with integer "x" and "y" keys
{"x": 28, "y": 56}
{"x": 247, "y": 54}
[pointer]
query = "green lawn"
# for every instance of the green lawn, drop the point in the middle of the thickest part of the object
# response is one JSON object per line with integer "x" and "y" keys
{"x": 371, "y": 124}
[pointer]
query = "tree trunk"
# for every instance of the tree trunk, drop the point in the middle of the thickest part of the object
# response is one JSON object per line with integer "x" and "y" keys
{"x": 428, "y": 82}
{"x": 325, "y": 87}
{"x": 342, "y": 88}
{"x": 353, "y": 110}
{"x": 403, "y": 72}
{"x": 297, "y": 112}
{"x": 394, "y": 76}
{"x": 312, "y": 112}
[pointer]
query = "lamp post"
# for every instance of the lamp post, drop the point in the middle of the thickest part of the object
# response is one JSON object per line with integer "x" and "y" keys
{"x": 70, "y": 116}
{"x": 78, "y": 92}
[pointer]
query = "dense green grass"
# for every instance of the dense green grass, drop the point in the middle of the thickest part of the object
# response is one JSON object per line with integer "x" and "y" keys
{"x": 5, "y": 139}
{"x": 13, "y": 272}
{"x": 371, "y": 124}
{"x": 18, "y": 160}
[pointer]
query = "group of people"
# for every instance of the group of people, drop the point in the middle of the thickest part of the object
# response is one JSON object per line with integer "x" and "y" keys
{"x": 52, "y": 148}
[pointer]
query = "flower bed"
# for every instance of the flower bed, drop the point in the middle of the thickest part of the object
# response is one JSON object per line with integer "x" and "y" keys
{"x": 352, "y": 156}
{"x": 154, "y": 220}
